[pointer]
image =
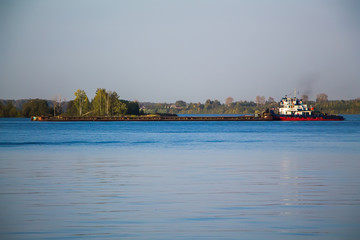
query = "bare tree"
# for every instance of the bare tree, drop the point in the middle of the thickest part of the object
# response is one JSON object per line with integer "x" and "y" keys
{"x": 57, "y": 104}
{"x": 229, "y": 101}
{"x": 54, "y": 103}
{"x": 260, "y": 100}
{"x": 271, "y": 100}
{"x": 305, "y": 98}
{"x": 321, "y": 97}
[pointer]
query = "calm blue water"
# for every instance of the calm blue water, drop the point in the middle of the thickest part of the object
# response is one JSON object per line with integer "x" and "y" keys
{"x": 180, "y": 180}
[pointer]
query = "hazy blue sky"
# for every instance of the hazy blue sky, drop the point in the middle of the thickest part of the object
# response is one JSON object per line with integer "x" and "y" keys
{"x": 166, "y": 50}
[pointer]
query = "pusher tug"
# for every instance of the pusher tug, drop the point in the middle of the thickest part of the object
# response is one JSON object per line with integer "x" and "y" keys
{"x": 293, "y": 109}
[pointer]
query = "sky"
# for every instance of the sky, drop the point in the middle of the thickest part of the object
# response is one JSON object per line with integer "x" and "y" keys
{"x": 169, "y": 50}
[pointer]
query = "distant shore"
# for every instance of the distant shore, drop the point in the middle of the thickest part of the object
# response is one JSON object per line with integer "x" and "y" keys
{"x": 16, "y": 108}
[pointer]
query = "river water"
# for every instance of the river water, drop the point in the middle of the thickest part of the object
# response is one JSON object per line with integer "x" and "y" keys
{"x": 180, "y": 180}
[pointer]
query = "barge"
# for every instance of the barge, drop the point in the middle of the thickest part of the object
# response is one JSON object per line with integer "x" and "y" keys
{"x": 264, "y": 117}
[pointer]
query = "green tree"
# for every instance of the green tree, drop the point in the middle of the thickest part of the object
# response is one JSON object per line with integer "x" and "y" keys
{"x": 36, "y": 107}
{"x": 133, "y": 108}
{"x": 208, "y": 104}
{"x": 180, "y": 103}
{"x": 99, "y": 102}
{"x": 116, "y": 107}
{"x": 71, "y": 109}
{"x": 8, "y": 110}
{"x": 2, "y": 108}
{"x": 216, "y": 103}
{"x": 81, "y": 102}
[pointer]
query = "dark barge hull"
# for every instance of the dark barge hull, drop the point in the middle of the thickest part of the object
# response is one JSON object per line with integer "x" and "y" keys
{"x": 152, "y": 118}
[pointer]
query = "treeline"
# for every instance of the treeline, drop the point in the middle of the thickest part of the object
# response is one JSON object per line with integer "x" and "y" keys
{"x": 105, "y": 103}
{"x": 247, "y": 107}
{"x": 108, "y": 103}
{"x": 9, "y": 108}
{"x": 209, "y": 107}
{"x": 338, "y": 106}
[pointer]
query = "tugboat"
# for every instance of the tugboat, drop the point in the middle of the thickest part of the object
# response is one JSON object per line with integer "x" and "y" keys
{"x": 293, "y": 109}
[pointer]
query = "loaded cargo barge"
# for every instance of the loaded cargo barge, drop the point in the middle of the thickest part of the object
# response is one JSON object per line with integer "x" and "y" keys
{"x": 264, "y": 117}
{"x": 291, "y": 109}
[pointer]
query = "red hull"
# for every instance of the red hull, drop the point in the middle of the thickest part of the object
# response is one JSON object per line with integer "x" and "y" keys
{"x": 314, "y": 118}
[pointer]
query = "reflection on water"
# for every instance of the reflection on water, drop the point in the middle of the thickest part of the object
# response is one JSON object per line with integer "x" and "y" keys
{"x": 178, "y": 194}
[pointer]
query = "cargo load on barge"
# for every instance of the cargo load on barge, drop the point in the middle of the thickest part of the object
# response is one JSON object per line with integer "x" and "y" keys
{"x": 155, "y": 117}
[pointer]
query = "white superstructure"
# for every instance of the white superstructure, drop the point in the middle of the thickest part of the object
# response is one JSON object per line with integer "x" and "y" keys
{"x": 293, "y": 106}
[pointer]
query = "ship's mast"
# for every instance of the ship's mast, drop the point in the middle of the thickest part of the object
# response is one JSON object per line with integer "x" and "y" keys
{"x": 294, "y": 92}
